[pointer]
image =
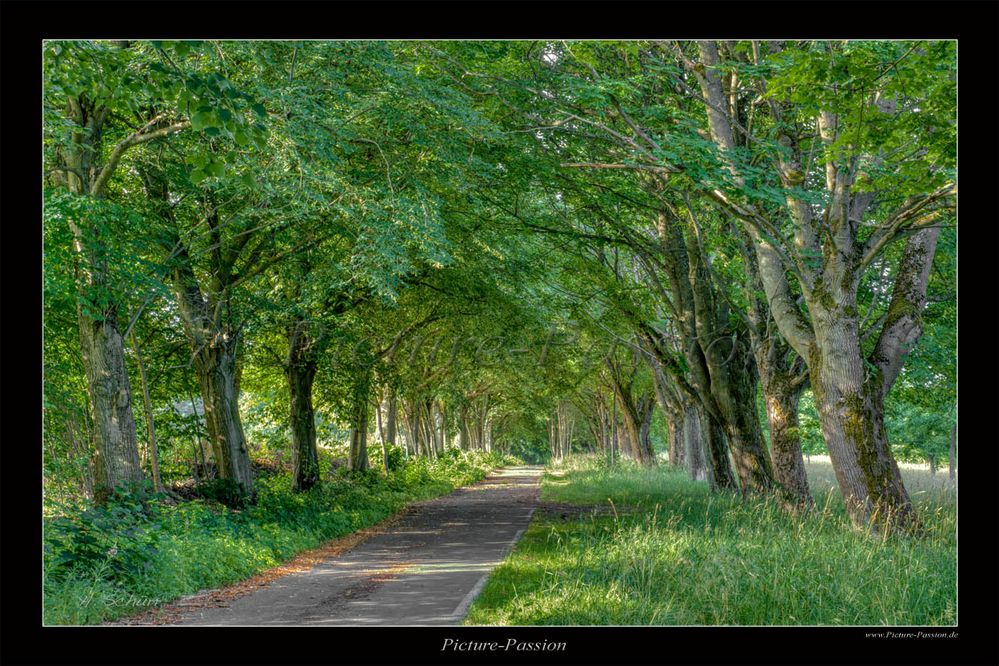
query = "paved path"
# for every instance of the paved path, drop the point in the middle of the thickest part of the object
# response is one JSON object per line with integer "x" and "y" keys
{"x": 424, "y": 570}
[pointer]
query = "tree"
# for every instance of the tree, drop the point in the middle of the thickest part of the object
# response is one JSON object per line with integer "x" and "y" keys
{"x": 89, "y": 85}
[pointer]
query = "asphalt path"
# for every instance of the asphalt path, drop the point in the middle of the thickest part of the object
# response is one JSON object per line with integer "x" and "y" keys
{"x": 424, "y": 570}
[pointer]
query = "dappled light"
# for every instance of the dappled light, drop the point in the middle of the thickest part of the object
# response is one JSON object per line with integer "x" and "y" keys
{"x": 331, "y": 325}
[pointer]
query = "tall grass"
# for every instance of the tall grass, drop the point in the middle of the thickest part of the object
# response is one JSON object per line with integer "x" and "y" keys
{"x": 139, "y": 551}
{"x": 671, "y": 553}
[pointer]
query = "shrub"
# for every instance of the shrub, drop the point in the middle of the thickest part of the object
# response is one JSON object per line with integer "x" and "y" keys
{"x": 138, "y": 549}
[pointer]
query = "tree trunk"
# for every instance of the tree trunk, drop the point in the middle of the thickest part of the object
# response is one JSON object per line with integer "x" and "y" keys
{"x": 117, "y": 452}
{"x": 694, "y": 449}
{"x": 851, "y": 412}
{"x": 952, "y": 454}
{"x": 614, "y": 445}
{"x": 719, "y": 468}
{"x": 215, "y": 366}
{"x": 646, "y": 412}
{"x": 300, "y": 372}
{"x": 782, "y": 399}
{"x": 463, "y": 442}
{"x": 381, "y": 436}
{"x": 676, "y": 448}
{"x": 357, "y": 460}
{"x": 391, "y": 416}
{"x": 150, "y": 428}
{"x": 101, "y": 345}
{"x": 733, "y": 388}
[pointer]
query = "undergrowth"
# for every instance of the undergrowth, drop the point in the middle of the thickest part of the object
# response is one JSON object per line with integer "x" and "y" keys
{"x": 141, "y": 549}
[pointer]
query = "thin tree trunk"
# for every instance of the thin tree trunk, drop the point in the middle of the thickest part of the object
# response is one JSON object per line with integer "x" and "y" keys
{"x": 463, "y": 442}
{"x": 150, "y": 428}
{"x": 952, "y": 454}
{"x": 381, "y": 436}
{"x": 357, "y": 460}
{"x": 696, "y": 465}
{"x": 614, "y": 441}
{"x": 391, "y": 417}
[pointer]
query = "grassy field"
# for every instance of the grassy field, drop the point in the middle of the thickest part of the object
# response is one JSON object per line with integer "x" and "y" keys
{"x": 652, "y": 547}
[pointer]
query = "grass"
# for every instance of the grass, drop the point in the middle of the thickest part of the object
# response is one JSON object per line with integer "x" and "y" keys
{"x": 670, "y": 553}
{"x": 140, "y": 551}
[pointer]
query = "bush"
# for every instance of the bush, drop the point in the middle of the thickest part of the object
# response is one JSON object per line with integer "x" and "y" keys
{"x": 139, "y": 550}
{"x": 225, "y": 491}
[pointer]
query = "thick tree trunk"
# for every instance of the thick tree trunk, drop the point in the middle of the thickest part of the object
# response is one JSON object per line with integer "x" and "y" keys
{"x": 154, "y": 456}
{"x": 215, "y": 366}
{"x": 117, "y": 452}
{"x": 782, "y": 399}
{"x": 733, "y": 391}
{"x": 720, "y": 467}
{"x": 300, "y": 372}
{"x": 644, "y": 430}
{"x": 851, "y": 413}
{"x": 102, "y": 348}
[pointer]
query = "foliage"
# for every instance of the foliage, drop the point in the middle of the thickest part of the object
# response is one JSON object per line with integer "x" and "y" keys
{"x": 141, "y": 548}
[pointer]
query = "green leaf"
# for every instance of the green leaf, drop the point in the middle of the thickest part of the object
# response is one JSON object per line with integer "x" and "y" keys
{"x": 197, "y": 176}
{"x": 216, "y": 169}
{"x": 259, "y": 110}
{"x": 202, "y": 119}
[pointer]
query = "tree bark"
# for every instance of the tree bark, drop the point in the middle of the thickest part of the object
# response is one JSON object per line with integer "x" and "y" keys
{"x": 719, "y": 465}
{"x": 357, "y": 460}
{"x": 300, "y": 372}
{"x": 117, "y": 453}
{"x": 101, "y": 344}
{"x": 851, "y": 413}
{"x": 391, "y": 416}
{"x": 694, "y": 449}
{"x": 154, "y": 456}
{"x": 952, "y": 454}
{"x": 215, "y": 366}
{"x": 782, "y": 398}
{"x": 849, "y": 389}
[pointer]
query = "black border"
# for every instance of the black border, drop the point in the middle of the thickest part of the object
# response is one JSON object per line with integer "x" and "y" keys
{"x": 25, "y": 24}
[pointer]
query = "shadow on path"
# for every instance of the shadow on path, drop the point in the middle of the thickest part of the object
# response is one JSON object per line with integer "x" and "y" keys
{"x": 426, "y": 569}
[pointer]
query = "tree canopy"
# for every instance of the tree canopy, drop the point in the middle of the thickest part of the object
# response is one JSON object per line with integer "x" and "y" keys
{"x": 718, "y": 255}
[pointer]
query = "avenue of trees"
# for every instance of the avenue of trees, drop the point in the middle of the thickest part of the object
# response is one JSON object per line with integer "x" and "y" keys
{"x": 721, "y": 256}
